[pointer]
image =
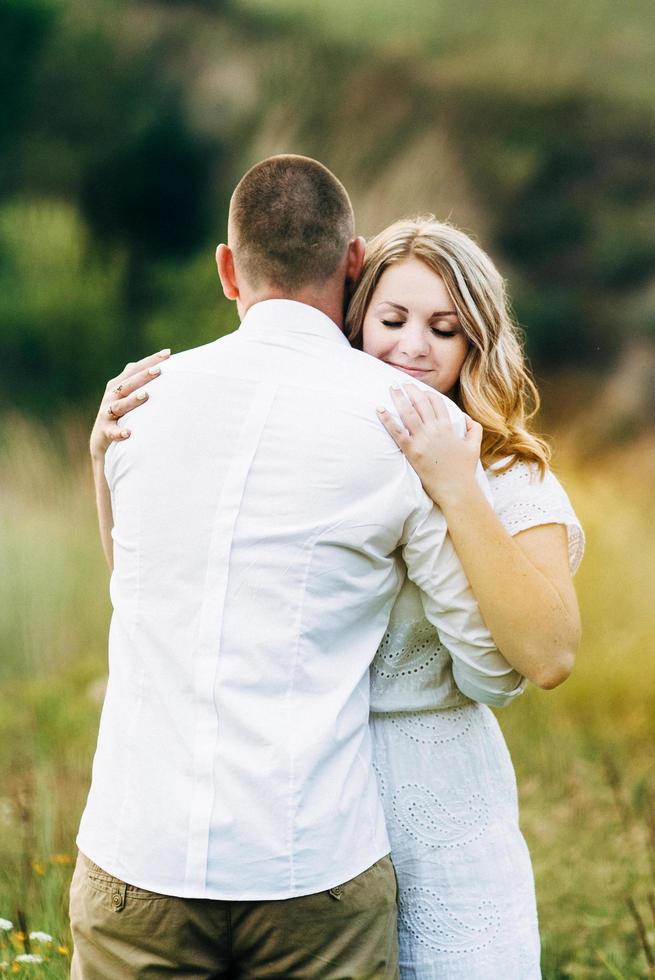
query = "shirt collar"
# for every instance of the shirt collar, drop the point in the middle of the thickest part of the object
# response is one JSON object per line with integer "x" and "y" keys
{"x": 272, "y": 319}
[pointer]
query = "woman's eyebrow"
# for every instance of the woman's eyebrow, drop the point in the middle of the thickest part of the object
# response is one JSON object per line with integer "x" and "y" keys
{"x": 396, "y": 306}
{"x": 403, "y": 309}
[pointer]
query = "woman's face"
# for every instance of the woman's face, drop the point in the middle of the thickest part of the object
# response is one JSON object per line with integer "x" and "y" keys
{"x": 411, "y": 324}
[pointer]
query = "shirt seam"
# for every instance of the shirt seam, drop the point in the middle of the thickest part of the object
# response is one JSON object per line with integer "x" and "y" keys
{"x": 293, "y": 805}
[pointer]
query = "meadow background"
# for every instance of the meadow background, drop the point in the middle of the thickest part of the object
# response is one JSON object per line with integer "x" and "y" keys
{"x": 124, "y": 126}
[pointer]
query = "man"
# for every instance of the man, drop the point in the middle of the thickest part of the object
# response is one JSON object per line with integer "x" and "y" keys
{"x": 233, "y": 827}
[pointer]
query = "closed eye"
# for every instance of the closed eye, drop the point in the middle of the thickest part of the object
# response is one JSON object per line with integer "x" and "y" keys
{"x": 443, "y": 333}
{"x": 393, "y": 323}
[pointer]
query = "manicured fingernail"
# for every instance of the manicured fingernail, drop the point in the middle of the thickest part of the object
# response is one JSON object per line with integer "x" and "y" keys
{"x": 142, "y": 395}
{"x": 124, "y": 433}
{"x": 164, "y": 353}
{"x": 395, "y": 387}
{"x": 381, "y": 411}
{"x": 154, "y": 371}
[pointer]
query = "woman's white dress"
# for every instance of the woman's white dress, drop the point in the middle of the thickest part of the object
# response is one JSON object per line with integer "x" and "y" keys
{"x": 467, "y": 907}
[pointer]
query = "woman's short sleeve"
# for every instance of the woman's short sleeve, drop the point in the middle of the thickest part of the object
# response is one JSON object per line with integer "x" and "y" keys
{"x": 523, "y": 499}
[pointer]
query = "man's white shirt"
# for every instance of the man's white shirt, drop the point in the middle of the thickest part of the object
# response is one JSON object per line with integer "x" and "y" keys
{"x": 264, "y": 522}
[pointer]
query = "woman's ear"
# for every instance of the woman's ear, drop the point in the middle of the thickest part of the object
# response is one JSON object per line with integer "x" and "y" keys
{"x": 226, "y": 273}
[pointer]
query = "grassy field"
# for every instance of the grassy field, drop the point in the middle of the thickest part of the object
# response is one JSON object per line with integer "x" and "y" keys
{"x": 583, "y": 753}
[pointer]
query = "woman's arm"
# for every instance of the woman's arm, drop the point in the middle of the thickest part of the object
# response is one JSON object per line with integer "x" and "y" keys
{"x": 523, "y": 583}
{"x": 122, "y": 394}
{"x": 103, "y": 507}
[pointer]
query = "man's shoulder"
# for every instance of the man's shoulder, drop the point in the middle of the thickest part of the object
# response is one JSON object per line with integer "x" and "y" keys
{"x": 375, "y": 377}
{"x": 365, "y": 370}
{"x": 197, "y": 357}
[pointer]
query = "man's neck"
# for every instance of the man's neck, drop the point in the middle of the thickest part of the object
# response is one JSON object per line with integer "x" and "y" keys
{"x": 329, "y": 303}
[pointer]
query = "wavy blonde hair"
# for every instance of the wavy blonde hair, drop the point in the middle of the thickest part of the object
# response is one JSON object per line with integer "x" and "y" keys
{"x": 495, "y": 387}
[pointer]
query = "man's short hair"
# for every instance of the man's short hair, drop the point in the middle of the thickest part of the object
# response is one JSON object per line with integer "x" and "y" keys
{"x": 290, "y": 223}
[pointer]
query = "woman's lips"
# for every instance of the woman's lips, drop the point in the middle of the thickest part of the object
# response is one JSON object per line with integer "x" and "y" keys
{"x": 412, "y": 372}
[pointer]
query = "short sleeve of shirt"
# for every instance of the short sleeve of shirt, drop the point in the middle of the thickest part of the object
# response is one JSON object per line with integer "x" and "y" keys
{"x": 522, "y": 499}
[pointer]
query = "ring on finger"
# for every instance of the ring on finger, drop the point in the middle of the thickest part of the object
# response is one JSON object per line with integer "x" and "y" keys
{"x": 112, "y": 415}
{"x": 117, "y": 390}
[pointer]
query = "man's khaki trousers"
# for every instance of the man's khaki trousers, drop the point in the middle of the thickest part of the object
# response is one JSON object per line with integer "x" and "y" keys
{"x": 122, "y": 933}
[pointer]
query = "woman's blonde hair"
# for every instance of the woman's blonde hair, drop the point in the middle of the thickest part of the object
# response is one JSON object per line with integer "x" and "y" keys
{"x": 495, "y": 387}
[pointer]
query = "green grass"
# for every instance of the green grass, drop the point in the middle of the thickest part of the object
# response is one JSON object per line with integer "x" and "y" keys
{"x": 582, "y": 753}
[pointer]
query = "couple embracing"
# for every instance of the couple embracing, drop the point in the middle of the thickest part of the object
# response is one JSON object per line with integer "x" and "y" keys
{"x": 335, "y": 542}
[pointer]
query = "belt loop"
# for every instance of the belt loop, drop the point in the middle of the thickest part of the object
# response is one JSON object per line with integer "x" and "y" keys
{"x": 118, "y": 890}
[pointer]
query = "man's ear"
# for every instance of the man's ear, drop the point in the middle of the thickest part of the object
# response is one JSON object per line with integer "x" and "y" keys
{"x": 355, "y": 259}
{"x": 226, "y": 273}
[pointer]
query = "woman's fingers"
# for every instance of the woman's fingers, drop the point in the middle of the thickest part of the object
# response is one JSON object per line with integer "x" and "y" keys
{"x": 134, "y": 381}
{"x": 399, "y": 435}
{"x": 121, "y": 406}
{"x": 115, "y": 410}
{"x": 408, "y": 412}
{"x": 137, "y": 366}
{"x": 427, "y": 423}
{"x": 439, "y": 407}
{"x": 113, "y": 434}
{"x": 429, "y": 404}
{"x": 123, "y": 394}
{"x": 473, "y": 431}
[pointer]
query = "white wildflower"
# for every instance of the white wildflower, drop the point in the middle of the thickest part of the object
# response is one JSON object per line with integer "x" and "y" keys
{"x": 6, "y": 925}
{"x": 28, "y": 958}
{"x": 40, "y": 937}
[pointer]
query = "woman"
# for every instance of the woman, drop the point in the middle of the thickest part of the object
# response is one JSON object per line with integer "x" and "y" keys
{"x": 431, "y": 303}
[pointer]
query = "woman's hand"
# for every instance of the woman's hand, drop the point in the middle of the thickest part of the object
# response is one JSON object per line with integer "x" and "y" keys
{"x": 445, "y": 462}
{"x": 122, "y": 394}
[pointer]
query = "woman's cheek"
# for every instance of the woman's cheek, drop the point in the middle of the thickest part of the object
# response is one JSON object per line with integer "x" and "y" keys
{"x": 373, "y": 347}
{"x": 381, "y": 350}
{"x": 375, "y": 339}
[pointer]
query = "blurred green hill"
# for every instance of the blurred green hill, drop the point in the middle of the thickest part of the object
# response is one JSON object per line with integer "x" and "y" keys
{"x": 125, "y": 126}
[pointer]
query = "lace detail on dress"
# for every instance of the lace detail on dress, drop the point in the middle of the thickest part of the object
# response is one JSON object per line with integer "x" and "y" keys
{"x": 525, "y": 514}
{"x": 431, "y": 923}
{"x": 421, "y": 814}
{"x": 382, "y": 783}
{"x": 522, "y": 499}
{"x": 432, "y": 727}
{"x": 412, "y": 657}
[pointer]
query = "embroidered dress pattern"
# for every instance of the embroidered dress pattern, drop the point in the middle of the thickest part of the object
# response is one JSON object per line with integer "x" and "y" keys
{"x": 411, "y": 658}
{"x": 421, "y": 814}
{"x": 433, "y": 728}
{"x": 432, "y": 923}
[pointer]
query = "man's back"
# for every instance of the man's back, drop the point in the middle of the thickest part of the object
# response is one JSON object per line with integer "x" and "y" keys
{"x": 258, "y": 510}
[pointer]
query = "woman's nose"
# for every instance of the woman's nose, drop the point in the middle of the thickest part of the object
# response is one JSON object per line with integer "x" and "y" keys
{"x": 413, "y": 341}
